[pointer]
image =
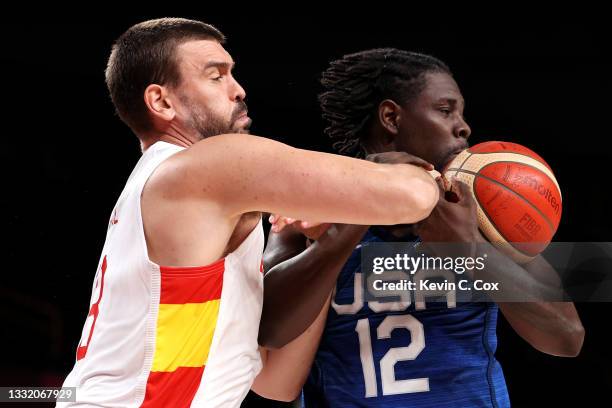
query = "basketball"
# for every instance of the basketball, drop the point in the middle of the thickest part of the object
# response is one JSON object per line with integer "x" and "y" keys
{"x": 517, "y": 195}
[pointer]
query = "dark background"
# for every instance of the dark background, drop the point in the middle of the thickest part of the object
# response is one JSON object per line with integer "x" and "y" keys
{"x": 65, "y": 156}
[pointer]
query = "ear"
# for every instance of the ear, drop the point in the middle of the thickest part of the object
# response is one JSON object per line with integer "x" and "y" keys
{"x": 158, "y": 103}
{"x": 389, "y": 117}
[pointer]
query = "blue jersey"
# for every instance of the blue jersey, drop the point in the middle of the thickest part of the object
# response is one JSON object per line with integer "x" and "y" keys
{"x": 408, "y": 353}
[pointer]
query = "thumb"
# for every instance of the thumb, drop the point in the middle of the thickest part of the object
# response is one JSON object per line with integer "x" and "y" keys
{"x": 462, "y": 190}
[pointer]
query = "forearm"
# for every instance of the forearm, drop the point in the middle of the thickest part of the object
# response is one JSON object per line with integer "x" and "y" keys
{"x": 296, "y": 289}
{"x": 307, "y": 185}
{"x": 549, "y": 326}
{"x": 285, "y": 370}
{"x": 516, "y": 283}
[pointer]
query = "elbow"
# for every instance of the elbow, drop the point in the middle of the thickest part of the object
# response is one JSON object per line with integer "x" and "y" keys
{"x": 272, "y": 340}
{"x": 278, "y": 394}
{"x": 269, "y": 340}
{"x": 270, "y": 328}
{"x": 283, "y": 394}
{"x": 287, "y": 397}
{"x": 567, "y": 344}
{"x": 573, "y": 341}
{"x": 266, "y": 337}
{"x": 290, "y": 395}
{"x": 269, "y": 335}
{"x": 274, "y": 384}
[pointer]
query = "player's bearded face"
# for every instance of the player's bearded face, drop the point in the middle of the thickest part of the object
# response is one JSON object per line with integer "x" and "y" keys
{"x": 208, "y": 123}
{"x": 209, "y": 99}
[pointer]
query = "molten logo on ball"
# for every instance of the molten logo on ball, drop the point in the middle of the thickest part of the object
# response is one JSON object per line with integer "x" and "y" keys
{"x": 518, "y": 197}
{"x": 541, "y": 189}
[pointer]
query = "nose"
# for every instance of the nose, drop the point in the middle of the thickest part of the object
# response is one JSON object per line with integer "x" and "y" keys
{"x": 237, "y": 92}
{"x": 462, "y": 129}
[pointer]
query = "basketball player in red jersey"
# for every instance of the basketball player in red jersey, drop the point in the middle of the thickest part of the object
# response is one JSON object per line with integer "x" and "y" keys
{"x": 177, "y": 297}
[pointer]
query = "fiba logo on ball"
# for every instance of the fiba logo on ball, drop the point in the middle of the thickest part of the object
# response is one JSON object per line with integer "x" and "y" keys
{"x": 518, "y": 198}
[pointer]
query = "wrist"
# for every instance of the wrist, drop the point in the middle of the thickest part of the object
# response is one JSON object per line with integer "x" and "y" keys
{"x": 472, "y": 237}
{"x": 478, "y": 237}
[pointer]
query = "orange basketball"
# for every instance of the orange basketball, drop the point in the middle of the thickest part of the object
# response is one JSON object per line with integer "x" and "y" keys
{"x": 518, "y": 197}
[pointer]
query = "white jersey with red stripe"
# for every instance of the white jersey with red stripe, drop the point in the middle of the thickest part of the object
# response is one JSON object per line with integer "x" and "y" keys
{"x": 160, "y": 336}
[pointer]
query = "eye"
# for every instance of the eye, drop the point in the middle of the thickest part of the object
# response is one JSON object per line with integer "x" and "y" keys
{"x": 218, "y": 78}
{"x": 445, "y": 110}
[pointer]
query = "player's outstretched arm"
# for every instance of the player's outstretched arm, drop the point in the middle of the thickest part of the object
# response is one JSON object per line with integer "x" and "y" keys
{"x": 243, "y": 173}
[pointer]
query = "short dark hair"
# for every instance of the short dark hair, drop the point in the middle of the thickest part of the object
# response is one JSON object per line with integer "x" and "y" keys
{"x": 144, "y": 55}
{"x": 355, "y": 84}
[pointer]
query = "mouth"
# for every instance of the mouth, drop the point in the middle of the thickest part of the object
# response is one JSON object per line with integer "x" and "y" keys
{"x": 243, "y": 121}
{"x": 452, "y": 155}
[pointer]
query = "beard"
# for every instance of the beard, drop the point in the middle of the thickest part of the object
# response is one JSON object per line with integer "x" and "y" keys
{"x": 206, "y": 123}
{"x": 445, "y": 159}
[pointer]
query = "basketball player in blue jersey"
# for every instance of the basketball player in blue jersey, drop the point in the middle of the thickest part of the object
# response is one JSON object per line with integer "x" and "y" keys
{"x": 404, "y": 353}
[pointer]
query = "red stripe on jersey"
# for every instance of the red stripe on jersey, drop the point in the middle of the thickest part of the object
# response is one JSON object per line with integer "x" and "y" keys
{"x": 191, "y": 284}
{"x": 172, "y": 389}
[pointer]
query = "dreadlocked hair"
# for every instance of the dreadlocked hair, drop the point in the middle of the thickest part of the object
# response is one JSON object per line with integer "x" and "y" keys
{"x": 355, "y": 85}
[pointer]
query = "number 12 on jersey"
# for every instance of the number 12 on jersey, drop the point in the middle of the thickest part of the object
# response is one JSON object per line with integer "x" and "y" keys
{"x": 390, "y": 385}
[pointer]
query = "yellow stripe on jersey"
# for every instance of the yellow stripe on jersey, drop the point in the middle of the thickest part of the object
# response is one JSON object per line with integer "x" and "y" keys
{"x": 184, "y": 334}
